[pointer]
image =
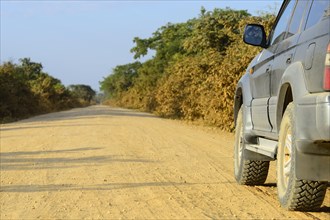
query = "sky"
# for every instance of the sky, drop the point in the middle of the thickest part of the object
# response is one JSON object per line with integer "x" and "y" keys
{"x": 80, "y": 42}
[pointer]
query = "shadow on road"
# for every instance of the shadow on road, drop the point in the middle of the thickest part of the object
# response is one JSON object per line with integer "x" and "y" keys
{"x": 71, "y": 187}
{"x": 18, "y": 153}
{"x": 28, "y": 160}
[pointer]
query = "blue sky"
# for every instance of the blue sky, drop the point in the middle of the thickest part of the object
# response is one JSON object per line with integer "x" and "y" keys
{"x": 80, "y": 42}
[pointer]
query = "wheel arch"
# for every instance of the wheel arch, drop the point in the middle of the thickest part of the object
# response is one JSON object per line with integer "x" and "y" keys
{"x": 242, "y": 95}
{"x": 238, "y": 102}
{"x": 285, "y": 97}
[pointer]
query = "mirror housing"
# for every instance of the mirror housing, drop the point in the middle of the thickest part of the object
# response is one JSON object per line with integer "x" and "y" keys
{"x": 254, "y": 34}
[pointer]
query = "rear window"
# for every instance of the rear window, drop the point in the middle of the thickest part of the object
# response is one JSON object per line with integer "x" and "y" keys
{"x": 319, "y": 10}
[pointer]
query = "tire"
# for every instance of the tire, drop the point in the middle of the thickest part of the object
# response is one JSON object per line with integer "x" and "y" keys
{"x": 294, "y": 194}
{"x": 247, "y": 172}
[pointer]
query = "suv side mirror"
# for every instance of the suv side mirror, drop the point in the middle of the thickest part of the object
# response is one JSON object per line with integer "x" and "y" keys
{"x": 254, "y": 34}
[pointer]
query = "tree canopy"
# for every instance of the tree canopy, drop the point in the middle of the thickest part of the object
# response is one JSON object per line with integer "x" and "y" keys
{"x": 26, "y": 90}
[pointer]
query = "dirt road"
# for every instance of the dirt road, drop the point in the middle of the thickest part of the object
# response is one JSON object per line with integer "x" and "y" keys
{"x": 108, "y": 163}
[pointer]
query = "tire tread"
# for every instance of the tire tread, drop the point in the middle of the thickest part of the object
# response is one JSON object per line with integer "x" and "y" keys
{"x": 308, "y": 195}
{"x": 254, "y": 172}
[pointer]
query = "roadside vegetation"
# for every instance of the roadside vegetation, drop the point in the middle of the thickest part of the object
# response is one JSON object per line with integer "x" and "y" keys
{"x": 194, "y": 71}
{"x": 25, "y": 90}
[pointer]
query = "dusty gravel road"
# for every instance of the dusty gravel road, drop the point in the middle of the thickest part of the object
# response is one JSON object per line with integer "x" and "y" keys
{"x": 108, "y": 163}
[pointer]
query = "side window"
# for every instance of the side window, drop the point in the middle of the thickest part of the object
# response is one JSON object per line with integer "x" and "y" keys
{"x": 319, "y": 10}
{"x": 296, "y": 18}
{"x": 280, "y": 29}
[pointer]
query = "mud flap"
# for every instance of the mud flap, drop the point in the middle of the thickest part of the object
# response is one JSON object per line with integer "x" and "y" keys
{"x": 312, "y": 167}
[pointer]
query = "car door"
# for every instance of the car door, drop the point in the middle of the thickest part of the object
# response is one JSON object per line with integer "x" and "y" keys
{"x": 260, "y": 86}
{"x": 285, "y": 53}
{"x": 260, "y": 77}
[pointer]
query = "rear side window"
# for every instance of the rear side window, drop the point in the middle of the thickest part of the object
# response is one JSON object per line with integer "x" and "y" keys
{"x": 282, "y": 24}
{"x": 319, "y": 10}
{"x": 296, "y": 18}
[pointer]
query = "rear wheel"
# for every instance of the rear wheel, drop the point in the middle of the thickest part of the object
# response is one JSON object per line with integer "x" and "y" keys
{"x": 293, "y": 193}
{"x": 247, "y": 172}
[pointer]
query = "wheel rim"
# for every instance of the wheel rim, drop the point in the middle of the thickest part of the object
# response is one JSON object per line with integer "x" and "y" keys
{"x": 287, "y": 157}
{"x": 240, "y": 146}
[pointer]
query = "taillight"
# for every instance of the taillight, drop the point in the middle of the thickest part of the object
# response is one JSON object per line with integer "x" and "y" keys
{"x": 326, "y": 81}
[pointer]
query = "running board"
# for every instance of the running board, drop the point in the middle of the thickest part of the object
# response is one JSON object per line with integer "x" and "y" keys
{"x": 265, "y": 147}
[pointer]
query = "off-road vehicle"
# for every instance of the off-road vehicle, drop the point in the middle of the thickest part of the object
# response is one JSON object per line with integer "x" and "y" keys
{"x": 282, "y": 105}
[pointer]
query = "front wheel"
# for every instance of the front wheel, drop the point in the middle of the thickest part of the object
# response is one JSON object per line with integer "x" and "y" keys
{"x": 247, "y": 172}
{"x": 294, "y": 194}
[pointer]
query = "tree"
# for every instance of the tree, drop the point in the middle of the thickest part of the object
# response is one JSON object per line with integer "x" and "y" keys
{"x": 121, "y": 79}
{"x": 30, "y": 69}
{"x": 26, "y": 90}
{"x": 83, "y": 92}
{"x": 16, "y": 98}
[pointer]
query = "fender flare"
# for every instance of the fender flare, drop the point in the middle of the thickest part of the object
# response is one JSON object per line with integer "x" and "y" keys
{"x": 293, "y": 75}
{"x": 242, "y": 94}
{"x": 243, "y": 98}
